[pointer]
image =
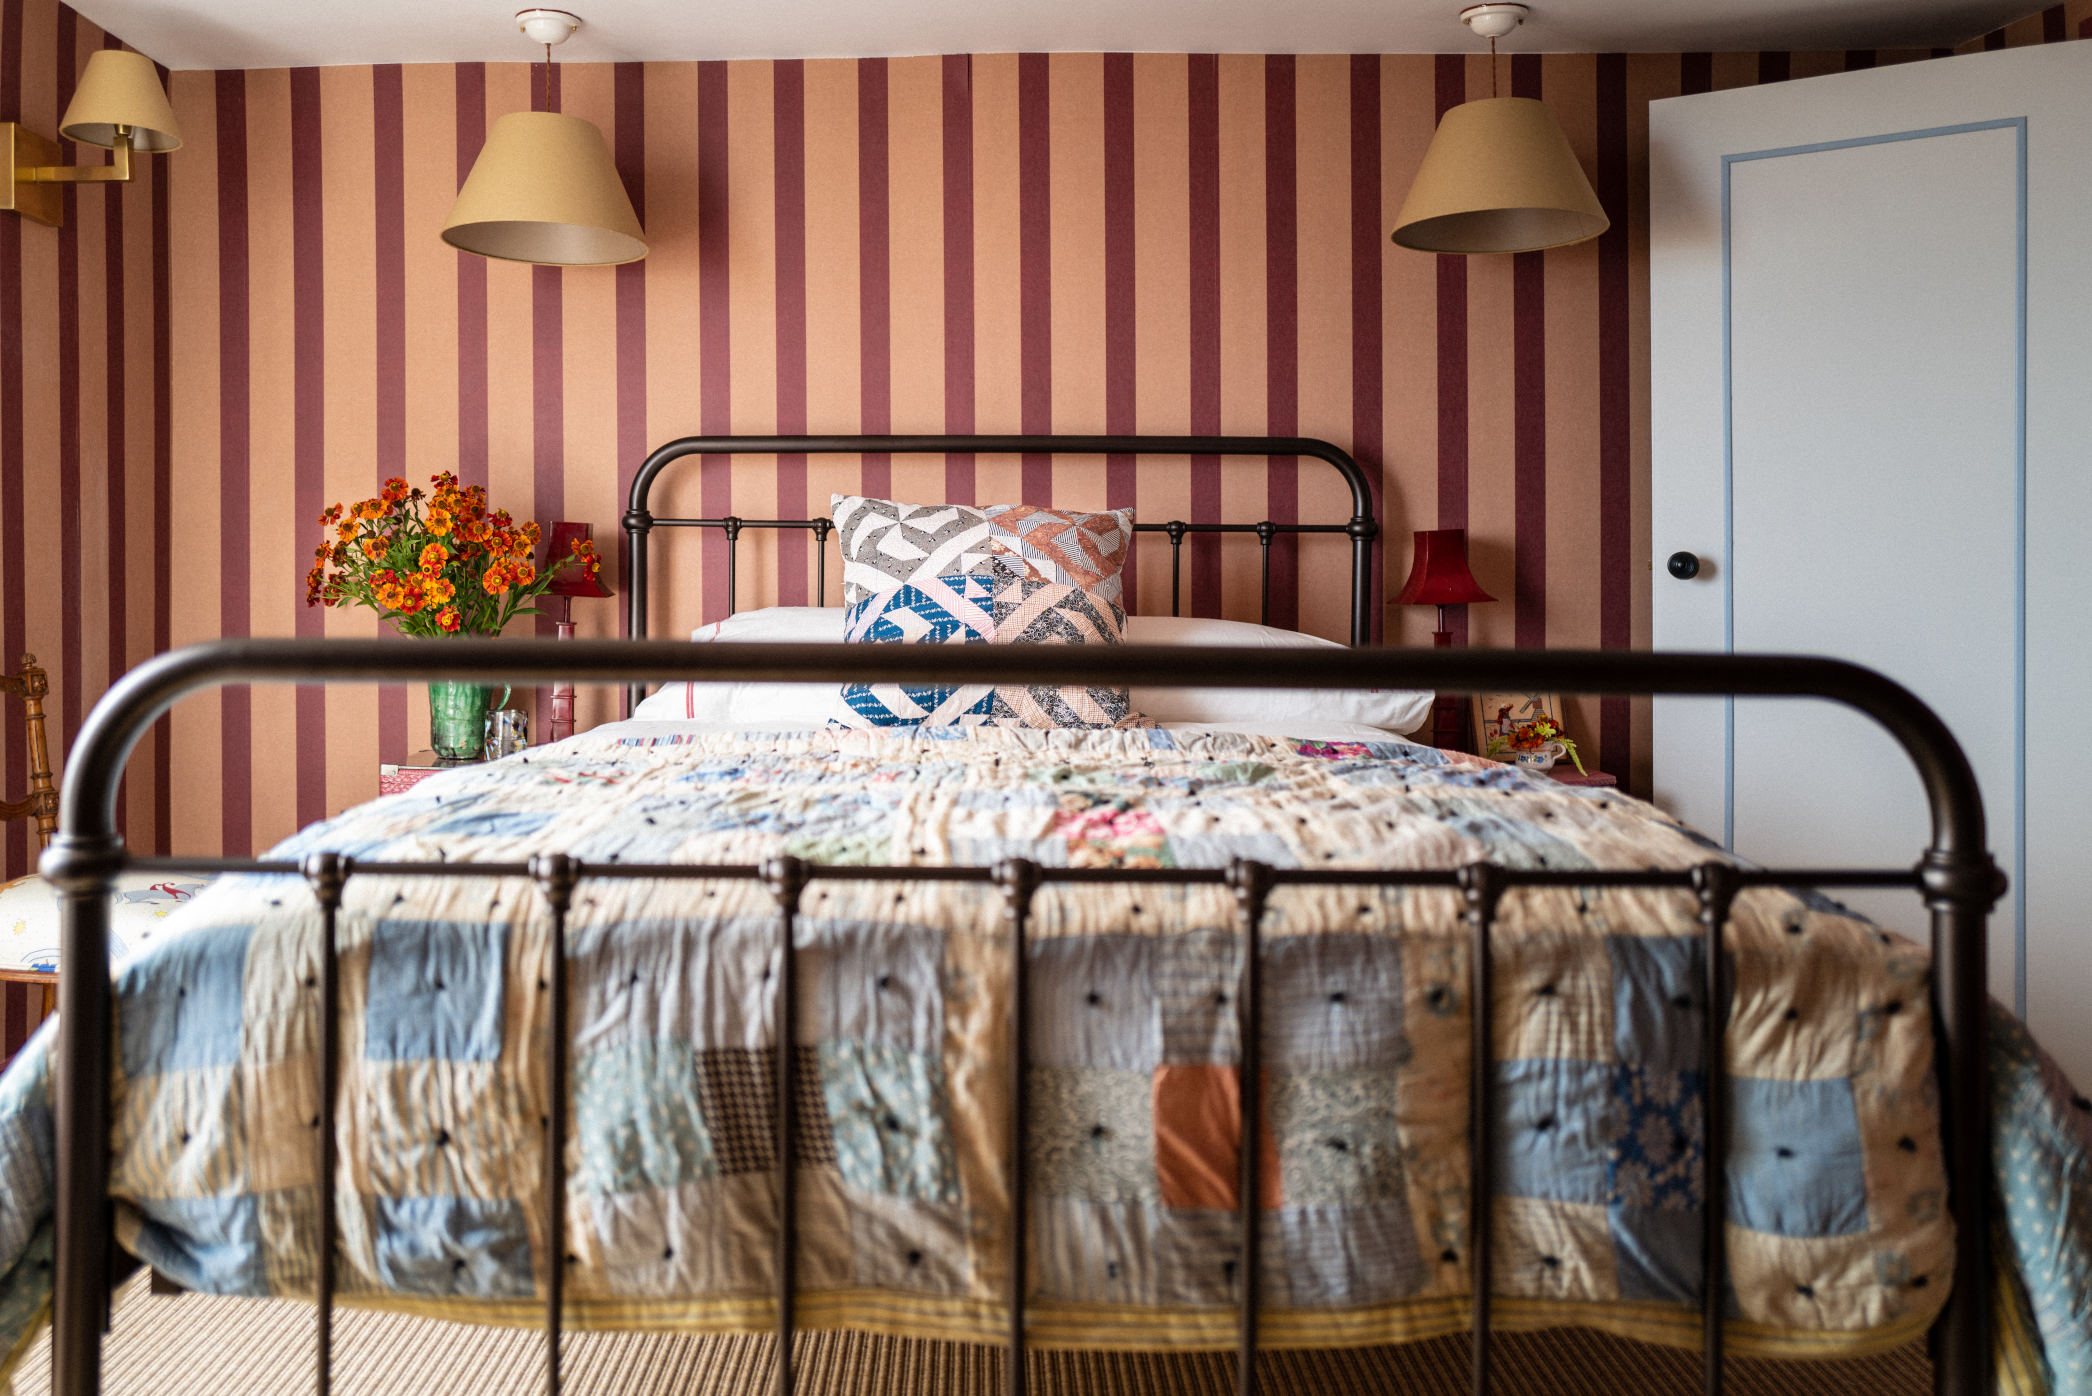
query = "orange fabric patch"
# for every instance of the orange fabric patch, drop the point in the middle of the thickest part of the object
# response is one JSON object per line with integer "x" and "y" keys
{"x": 1198, "y": 1138}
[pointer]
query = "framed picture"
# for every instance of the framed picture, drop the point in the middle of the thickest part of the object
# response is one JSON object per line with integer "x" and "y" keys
{"x": 1495, "y": 714}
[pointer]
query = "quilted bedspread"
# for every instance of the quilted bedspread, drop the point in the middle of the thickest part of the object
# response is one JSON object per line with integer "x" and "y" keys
{"x": 1838, "y": 1239}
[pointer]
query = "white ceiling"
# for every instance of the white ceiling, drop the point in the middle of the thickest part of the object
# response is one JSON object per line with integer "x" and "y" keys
{"x": 280, "y": 33}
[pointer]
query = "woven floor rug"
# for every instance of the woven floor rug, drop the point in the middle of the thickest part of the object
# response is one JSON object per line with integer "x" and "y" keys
{"x": 189, "y": 1345}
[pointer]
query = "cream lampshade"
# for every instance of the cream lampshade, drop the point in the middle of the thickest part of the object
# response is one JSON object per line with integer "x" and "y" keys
{"x": 1499, "y": 177}
{"x": 543, "y": 190}
{"x": 121, "y": 89}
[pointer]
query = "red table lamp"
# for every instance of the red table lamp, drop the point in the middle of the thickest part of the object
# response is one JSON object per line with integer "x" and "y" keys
{"x": 1440, "y": 577}
{"x": 567, "y": 584}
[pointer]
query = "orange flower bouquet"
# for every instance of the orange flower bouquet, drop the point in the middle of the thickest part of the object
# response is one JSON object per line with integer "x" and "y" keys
{"x": 434, "y": 563}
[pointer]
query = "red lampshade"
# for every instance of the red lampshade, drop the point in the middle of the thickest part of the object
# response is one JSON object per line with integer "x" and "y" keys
{"x": 1439, "y": 576}
{"x": 571, "y": 581}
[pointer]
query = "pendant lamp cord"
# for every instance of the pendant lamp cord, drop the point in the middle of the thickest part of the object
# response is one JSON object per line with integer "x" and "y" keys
{"x": 1492, "y": 65}
{"x": 548, "y": 73}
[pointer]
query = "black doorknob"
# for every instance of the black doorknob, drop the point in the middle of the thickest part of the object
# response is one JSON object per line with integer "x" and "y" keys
{"x": 1684, "y": 566}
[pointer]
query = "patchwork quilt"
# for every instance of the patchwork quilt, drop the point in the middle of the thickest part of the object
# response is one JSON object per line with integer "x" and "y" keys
{"x": 1838, "y": 1239}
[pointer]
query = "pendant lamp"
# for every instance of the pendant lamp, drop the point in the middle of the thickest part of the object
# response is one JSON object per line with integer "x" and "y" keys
{"x": 543, "y": 189}
{"x": 1499, "y": 175}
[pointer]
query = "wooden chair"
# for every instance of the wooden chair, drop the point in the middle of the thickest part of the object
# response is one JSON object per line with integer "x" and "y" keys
{"x": 31, "y": 684}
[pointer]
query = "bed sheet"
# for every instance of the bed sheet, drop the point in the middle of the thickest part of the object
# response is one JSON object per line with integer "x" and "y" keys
{"x": 1839, "y": 1242}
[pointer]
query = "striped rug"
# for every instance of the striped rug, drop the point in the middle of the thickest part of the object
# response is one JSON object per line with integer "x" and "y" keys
{"x": 190, "y": 1345}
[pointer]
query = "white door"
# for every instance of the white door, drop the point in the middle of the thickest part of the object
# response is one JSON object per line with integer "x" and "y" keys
{"x": 1871, "y": 336}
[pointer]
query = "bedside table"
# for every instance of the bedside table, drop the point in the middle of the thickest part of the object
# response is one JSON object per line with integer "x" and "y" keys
{"x": 1567, "y": 775}
{"x": 397, "y": 777}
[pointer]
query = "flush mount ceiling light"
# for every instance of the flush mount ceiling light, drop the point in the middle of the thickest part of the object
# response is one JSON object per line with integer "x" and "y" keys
{"x": 1499, "y": 175}
{"x": 118, "y": 105}
{"x": 543, "y": 189}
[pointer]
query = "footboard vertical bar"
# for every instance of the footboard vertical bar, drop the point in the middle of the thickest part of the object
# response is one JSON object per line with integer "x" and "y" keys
{"x": 1482, "y": 889}
{"x": 1019, "y": 880}
{"x": 1251, "y": 883}
{"x": 1715, "y": 885}
{"x": 325, "y": 873}
{"x": 787, "y": 879}
{"x": 1960, "y": 891}
{"x": 556, "y": 874}
{"x": 82, "y": 868}
{"x": 821, "y": 528}
{"x": 732, "y": 528}
{"x": 1266, "y": 531}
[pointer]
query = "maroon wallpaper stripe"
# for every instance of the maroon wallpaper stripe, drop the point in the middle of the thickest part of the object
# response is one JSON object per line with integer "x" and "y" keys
{"x": 1449, "y": 90}
{"x": 2053, "y": 25}
{"x": 14, "y": 582}
{"x": 1529, "y": 430}
{"x": 1695, "y": 73}
{"x": 235, "y": 537}
{"x": 1774, "y": 67}
{"x": 1204, "y": 346}
{"x": 628, "y": 149}
{"x": 309, "y": 393}
{"x": 472, "y": 289}
{"x": 1121, "y": 346}
{"x": 1615, "y": 396}
{"x": 389, "y": 242}
{"x": 1035, "y": 266}
{"x": 958, "y": 271}
{"x": 1368, "y": 312}
{"x": 66, "y": 675}
{"x": 790, "y": 99}
{"x": 163, "y": 493}
{"x": 875, "y": 275}
{"x": 1282, "y": 326}
{"x": 116, "y": 457}
{"x": 715, "y": 325}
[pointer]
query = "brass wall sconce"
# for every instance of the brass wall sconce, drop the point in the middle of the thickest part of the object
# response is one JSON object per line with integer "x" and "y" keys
{"x": 119, "y": 105}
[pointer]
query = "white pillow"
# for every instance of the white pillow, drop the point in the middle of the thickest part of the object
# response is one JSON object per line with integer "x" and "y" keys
{"x": 1390, "y": 709}
{"x": 772, "y": 704}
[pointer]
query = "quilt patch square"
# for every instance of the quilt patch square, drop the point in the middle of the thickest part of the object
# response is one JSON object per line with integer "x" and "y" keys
{"x": 1318, "y": 1255}
{"x": 1333, "y": 1002}
{"x": 735, "y": 1086}
{"x": 1093, "y": 1134}
{"x": 890, "y": 1120}
{"x": 1553, "y": 1250}
{"x": 1795, "y": 1163}
{"x": 867, "y": 981}
{"x": 212, "y": 1245}
{"x": 435, "y": 991}
{"x": 638, "y": 1114}
{"x": 453, "y": 1246}
{"x": 1092, "y": 1000}
{"x": 1094, "y": 1252}
{"x": 1339, "y": 1143}
{"x": 1198, "y": 1138}
{"x": 182, "y": 1002}
{"x": 1552, "y": 1127}
{"x": 1659, "y": 1002}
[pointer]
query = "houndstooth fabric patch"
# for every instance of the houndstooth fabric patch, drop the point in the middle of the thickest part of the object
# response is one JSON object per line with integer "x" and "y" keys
{"x": 950, "y": 574}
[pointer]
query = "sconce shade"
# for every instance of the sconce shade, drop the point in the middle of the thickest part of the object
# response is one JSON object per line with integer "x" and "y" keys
{"x": 121, "y": 89}
{"x": 572, "y": 581}
{"x": 1499, "y": 176}
{"x": 543, "y": 190}
{"x": 1439, "y": 576}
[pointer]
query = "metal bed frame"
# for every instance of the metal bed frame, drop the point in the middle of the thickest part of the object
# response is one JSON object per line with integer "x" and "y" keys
{"x": 1955, "y": 875}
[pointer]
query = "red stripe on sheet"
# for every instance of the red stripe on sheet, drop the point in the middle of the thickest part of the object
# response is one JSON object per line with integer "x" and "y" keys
{"x": 472, "y": 290}
{"x": 1204, "y": 348}
{"x": 66, "y": 675}
{"x": 236, "y": 725}
{"x": 1615, "y": 406}
{"x": 117, "y": 490}
{"x": 714, "y": 327}
{"x": 1529, "y": 404}
{"x": 1035, "y": 261}
{"x": 874, "y": 275}
{"x": 1368, "y": 314}
{"x": 389, "y": 238}
{"x": 1282, "y": 328}
{"x": 1449, "y": 73}
{"x": 309, "y": 412}
{"x": 958, "y": 272}
{"x": 14, "y": 581}
{"x": 1121, "y": 345}
{"x": 628, "y": 149}
{"x": 789, "y": 97}
{"x": 163, "y": 489}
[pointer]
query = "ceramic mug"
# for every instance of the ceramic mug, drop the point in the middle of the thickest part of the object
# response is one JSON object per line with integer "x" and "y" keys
{"x": 1541, "y": 758}
{"x": 508, "y": 732}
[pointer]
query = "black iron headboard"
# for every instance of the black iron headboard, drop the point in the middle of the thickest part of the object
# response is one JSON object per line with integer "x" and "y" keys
{"x": 1361, "y": 528}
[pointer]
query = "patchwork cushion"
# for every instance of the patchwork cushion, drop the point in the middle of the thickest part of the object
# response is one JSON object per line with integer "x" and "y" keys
{"x": 952, "y": 574}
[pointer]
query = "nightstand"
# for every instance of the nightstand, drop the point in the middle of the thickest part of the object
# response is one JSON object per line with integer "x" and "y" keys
{"x": 397, "y": 777}
{"x": 1567, "y": 775}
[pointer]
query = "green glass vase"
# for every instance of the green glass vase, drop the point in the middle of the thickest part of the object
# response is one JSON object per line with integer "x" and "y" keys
{"x": 458, "y": 717}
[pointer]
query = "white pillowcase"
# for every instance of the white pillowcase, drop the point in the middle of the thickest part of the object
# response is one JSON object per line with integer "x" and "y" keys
{"x": 812, "y": 704}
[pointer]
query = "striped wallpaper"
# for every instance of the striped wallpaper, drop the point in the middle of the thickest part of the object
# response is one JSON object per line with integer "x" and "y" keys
{"x": 1076, "y": 243}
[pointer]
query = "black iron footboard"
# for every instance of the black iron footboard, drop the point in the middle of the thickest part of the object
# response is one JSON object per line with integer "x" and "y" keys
{"x": 1954, "y": 874}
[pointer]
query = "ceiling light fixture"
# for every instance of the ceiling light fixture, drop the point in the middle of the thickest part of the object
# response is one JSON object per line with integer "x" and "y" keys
{"x": 1499, "y": 175}
{"x": 543, "y": 189}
